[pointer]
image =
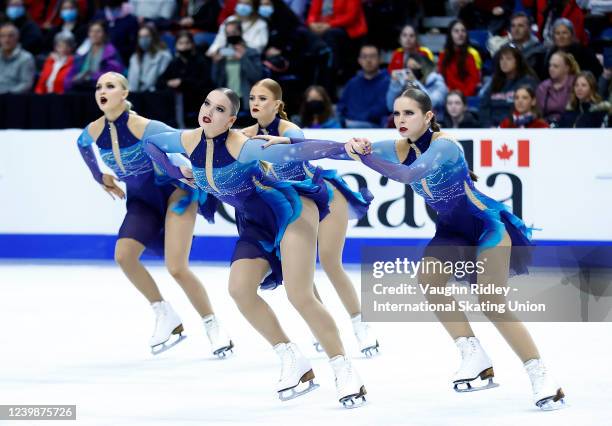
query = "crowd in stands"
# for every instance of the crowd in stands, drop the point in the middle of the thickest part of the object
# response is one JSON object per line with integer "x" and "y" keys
{"x": 342, "y": 63}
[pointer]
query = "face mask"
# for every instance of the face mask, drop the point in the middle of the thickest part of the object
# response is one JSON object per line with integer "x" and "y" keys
{"x": 15, "y": 12}
{"x": 144, "y": 42}
{"x": 315, "y": 107}
{"x": 69, "y": 15}
{"x": 184, "y": 53}
{"x": 418, "y": 74}
{"x": 243, "y": 9}
{"x": 265, "y": 10}
{"x": 234, "y": 39}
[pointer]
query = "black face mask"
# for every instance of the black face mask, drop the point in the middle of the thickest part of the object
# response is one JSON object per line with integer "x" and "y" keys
{"x": 418, "y": 74}
{"x": 234, "y": 39}
{"x": 315, "y": 107}
{"x": 184, "y": 53}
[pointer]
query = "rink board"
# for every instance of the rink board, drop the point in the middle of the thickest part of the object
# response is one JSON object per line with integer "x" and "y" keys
{"x": 558, "y": 181}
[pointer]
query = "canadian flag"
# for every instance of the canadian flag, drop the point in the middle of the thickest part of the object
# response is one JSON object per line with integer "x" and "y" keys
{"x": 504, "y": 153}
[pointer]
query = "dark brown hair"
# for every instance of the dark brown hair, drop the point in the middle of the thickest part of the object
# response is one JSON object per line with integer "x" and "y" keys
{"x": 522, "y": 67}
{"x": 305, "y": 117}
{"x": 450, "y": 50}
{"x": 156, "y": 43}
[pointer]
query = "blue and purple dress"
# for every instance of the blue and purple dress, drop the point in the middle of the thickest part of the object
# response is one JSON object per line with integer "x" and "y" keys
{"x": 358, "y": 202}
{"x": 437, "y": 171}
{"x": 147, "y": 188}
{"x": 265, "y": 204}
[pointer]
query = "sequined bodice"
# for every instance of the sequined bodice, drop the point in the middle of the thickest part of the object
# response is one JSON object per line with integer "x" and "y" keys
{"x": 296, "y": 170}
{"x": 221, "y": 175}
{"x": 128, "y": 158}
{"x": 446, "y": 185}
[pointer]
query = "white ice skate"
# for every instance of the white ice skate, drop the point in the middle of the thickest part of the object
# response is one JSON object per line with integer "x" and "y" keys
{"x": 167, "y": 324}
{"x": 475, "y": 364}
{"x": 297, "y": 377}
{"x": 547, "y": 395}
{"x": 219, "y": 340}
{"x": 366, "y": 339}
{"x": 349, "y": 387}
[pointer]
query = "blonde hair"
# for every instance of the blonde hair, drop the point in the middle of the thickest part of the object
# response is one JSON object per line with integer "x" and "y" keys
{"x": 123, "y": 81}
{"x": 569, "y": 60}
{"x": 277, "y": 92}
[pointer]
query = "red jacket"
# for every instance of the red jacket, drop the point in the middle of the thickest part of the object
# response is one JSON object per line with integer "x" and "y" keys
{"x": 228, "y": 10}
{"x": 538, "y": 123}
{"x": 348, "y": 14}
{"x": 47, "y": 12}
{"x": 571, "y": 12}
{"x": 466, "y": 85}
{"x": 58, "y": 84}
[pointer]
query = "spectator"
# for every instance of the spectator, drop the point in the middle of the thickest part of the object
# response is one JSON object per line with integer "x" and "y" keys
{"x": 337, "y": 23}
{"x": 71, "y": 23}
{"x": 149, "y": 61}
{"x": 95, "y": 57}
{"x": 564, "y": 41}
{"x": 200, "y": 17}
{"x": 510, "y": 71}
{"x": 526, "y": 114}
{"x": 459, "y": 63}
{"x": 30, "y": 36}
{"x": 604, "y": 84}
{"x": 16, "y": 65}
{"x": 57, "y": 65}
{"x": 586, "y": 108}
{"x": 548, "y": 11}
{"x": 237, "y": 66}
{"x": 254, "y": 29}
{"x": 286, "y": 31}
{"x": 554, "y": 93}
{"x": 317, "y": 111}
{"x": 189, "y": 75}
{"x": 122, "y": 26}
{"x": 46, "y": 13}
{"x": 531, "y": 48}
{"x": 457, "y": 115}
{"x": 362, "y": 104}
{"x": 409, "y": 45}
{"x": 419, "y": 72}
{"x": 153, "y": 10}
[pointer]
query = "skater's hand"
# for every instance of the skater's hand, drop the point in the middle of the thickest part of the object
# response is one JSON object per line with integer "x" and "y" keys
{"x": 109, "y": 185}
{"x": 188, "y": 180}
{"x": 272, "y": 140}
{"x": 359, "y": 146}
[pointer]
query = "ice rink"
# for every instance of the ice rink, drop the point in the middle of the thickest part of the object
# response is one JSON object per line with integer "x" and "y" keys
{"x": 78, "y": 334}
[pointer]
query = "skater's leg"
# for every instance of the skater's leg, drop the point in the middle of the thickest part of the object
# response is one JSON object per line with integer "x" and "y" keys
{"x": 455, "y": 323}
{"x": 178, "y": 239}
{"x": 127, "y": 256}
{"x": 316, "y": 292}
{"x": 513, "y": 330}
{"x": 245, "y": 277}
{"x": 298, "y": 250}
{"x": 332, "y": 233}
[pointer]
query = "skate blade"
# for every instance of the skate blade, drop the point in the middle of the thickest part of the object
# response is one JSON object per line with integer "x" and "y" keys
{"x": 484, "y": 375}
{"x": 294, "y": 392}
{"x": 354, "y": 401}
{"x": 318, "y": 347}
{"x": 552, "y": 403}
{"x": 222, "y": 353}
{"x": 370, "y": 351}
{"x": 163, "y": 347}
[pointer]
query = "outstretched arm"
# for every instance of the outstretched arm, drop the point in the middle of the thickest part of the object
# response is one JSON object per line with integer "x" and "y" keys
{"x": 85, "y": 142}
{"x": 439, "y": 151}
{"x": 158, "y": 145}
{"x": 297, "y": 150}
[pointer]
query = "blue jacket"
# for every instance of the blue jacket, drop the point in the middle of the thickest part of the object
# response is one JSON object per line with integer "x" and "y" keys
{"x": 364, "y": 99}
